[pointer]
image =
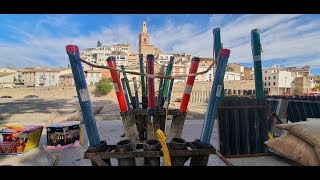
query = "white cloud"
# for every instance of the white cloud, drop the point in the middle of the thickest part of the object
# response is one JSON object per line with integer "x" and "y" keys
{"x": 46, "y": 50}
{"x": 286, "y": 39}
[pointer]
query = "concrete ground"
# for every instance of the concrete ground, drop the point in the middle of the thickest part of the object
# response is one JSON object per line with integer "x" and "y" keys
{"x": 37, "y": 111}
{"x": 111, "y": 131}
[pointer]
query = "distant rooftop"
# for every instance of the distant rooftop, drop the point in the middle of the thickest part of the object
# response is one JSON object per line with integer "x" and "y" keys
{"x": 39, "y": 69}
{"x": 122, "y": 45}
{"x": 67, "y": 75}
{"x": 2, "y": 74}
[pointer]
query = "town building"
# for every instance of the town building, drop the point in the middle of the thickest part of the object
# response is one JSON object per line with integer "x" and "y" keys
{"x": 66, "y": 80}
{"x": 133, "y": 59}
{"x": 248, "y": 73}
{"x": 36, "y": 76}
{"x": 92, "y": 76}
{"x": 163, "y": 58}
{"x": 145, "y": 47}
{"x": 303, "y": 84}
{"x": 99, "y": 54}
{"x": 207, "y": 76}
{"x": 289, "y": 80}
{"x": 232, "y": 76}
{"x": 9, "y": 77}
{"x": 235, "y": 67}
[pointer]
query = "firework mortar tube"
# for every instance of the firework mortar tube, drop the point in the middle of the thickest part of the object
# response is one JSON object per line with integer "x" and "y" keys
{"x": 123, "y": 82}
{"x": 190, "y": 81}
{"x": 151, "y": 91}
{"x": 215, "y": 96}
{"x": 135, "y": 85}
{"x": 83, "y": 95}
{"x": 117, "y": 85}
{"x": 143, "y": 83}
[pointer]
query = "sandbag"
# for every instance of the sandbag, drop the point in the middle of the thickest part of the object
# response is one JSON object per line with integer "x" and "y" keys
{"x": 306, "y": 130}
{"x": 294, "y": 148}
{"x": 317, "y": 149}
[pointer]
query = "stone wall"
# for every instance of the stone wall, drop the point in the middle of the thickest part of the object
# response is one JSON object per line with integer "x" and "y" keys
{"x": 201, "y": 86}
{"x": 69, "y": 92}
{"x": 42, "y": 92}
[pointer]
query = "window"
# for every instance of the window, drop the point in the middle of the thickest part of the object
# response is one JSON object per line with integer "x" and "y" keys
{"x": 91, "y": 75}
{"x": 145, "y": 40}
{"x": 265, "y": 71}
{"x": 269, "y": 84}
{"x": 269, "y": 78}
{"x": 97, "y": 75}
{"x": 265, "y": 78}
{"x": 274, "y": 77}
{"x": 265, "y": 84}
{"x": 274, "y": 83}
{"x": 269, "y": 89}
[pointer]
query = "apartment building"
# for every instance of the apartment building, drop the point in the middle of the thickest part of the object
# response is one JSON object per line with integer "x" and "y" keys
{"x": 232, "y": 76}
{"x": 99, "y": 54}
{"x": 36, "y": 76}
{"x": 92, "y": 76}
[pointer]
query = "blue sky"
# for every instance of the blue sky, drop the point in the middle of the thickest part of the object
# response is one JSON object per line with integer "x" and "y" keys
{"x": 40, "y": 40}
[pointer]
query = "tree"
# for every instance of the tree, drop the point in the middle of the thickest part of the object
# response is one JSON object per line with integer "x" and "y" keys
{"x": 103, "y": 87}
{"x": 316, "y": 88}
{"x": 298, "y": 90}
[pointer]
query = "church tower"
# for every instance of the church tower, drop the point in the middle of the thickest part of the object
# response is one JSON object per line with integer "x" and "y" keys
{"x": 143, "y": 37}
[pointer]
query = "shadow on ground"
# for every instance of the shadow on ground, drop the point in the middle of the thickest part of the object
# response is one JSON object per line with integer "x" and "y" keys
{"x": 38, "y": 111}
{"x": 22, "y": 106}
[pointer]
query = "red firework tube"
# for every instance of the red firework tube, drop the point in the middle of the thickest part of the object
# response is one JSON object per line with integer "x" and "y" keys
{"x": 190, "y": 81}
{"x": 117, "y": 85}
{"x": 151, "y": 92}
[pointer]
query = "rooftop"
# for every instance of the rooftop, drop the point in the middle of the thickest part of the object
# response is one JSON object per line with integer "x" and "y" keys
{"x": 2, "y": 74}
{"x": 38, "y": 69}
{"x": 66, "y": 75}
{"x": 122, "y": 45}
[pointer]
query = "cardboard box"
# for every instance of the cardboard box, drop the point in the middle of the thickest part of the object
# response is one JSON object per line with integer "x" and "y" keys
{"x": 19, "y": 140}
{"x": 63, "y": 135}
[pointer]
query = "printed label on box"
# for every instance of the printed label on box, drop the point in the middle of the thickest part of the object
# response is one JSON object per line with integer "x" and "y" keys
{"x": 63, "y": 136}
{"x": 18, "y": 141}
{"x": 33, "y": 139}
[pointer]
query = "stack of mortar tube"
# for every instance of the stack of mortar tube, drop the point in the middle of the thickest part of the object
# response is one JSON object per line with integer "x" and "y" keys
{"x": 164, "y": 90}
{"x": 190, "y": 81}
{"x": 144, "y": 96}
